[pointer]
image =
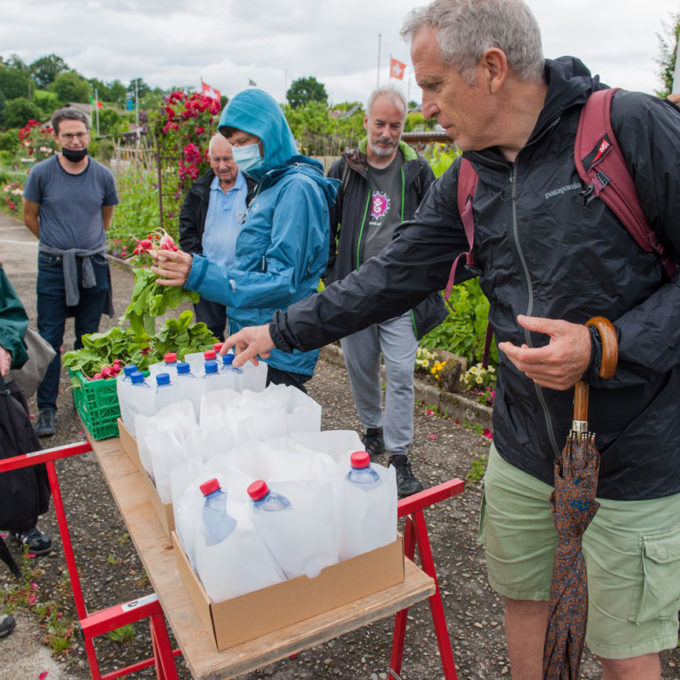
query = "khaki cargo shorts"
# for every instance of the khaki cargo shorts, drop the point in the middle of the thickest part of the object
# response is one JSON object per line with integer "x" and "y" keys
{"x": 632, "y": 555}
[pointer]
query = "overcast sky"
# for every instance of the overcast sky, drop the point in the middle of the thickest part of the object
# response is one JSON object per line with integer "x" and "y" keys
{"x": 175, "y": 42}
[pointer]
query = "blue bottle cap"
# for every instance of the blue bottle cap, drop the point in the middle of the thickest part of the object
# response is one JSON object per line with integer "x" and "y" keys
{"x": 130, "y": 369}
{"x": 211, "y": 367}
{"x": 137, "y": 377}
{"x": 163, "y": 379}
{"x": 183, "y": 367}
{"x": 227, "y": 359}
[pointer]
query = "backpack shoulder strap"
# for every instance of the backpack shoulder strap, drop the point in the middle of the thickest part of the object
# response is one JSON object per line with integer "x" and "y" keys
{"x": 467, "y": 185}
{"x": 603, "y": 169}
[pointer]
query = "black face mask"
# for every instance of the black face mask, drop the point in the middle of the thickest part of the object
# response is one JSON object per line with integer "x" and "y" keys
{"x": 74, "y": 155}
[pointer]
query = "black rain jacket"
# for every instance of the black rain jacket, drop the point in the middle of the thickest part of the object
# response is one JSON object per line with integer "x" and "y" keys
{"x": 348, "y": 219}
{"x": 543, "y": 251}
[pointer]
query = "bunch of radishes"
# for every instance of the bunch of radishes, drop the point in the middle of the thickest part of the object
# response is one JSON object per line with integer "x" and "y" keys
{"x": 108, "y": 371}
{"x": 158, "y": 239}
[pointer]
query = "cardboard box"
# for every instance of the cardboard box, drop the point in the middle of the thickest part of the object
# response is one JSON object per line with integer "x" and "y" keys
{"x": 129, "y": 445}
{"x": 252, "y": 615}
{"x": 165, "y": 513}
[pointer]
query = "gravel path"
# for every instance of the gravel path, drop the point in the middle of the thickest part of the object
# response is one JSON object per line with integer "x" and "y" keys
{"x": 111, "y": 572}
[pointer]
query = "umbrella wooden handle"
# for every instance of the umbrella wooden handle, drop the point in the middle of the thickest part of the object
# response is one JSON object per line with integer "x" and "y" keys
{"x": 610, "y": 345}
{"x": 610, "y": 355}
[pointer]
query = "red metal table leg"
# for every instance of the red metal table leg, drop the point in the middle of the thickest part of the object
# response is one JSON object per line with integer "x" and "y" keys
{"x": 165, "y": 659}
{"x": 415, "y": 533}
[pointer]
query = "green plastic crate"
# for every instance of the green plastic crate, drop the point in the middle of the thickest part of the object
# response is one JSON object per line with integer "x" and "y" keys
{"x": 97, "y": 404}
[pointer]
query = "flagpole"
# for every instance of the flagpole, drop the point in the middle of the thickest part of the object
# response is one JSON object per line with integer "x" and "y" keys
{"x": 379, "y": 40}
{"x": 96, "y": 107}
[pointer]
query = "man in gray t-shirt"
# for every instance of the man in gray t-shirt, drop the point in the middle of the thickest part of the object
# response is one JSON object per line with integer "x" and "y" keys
{"x": 382, "y": 183}
{"x": 68, "y": 205}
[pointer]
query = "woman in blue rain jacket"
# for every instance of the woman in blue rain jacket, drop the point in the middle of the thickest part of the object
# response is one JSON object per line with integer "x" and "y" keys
{"x": 282, "y": 248}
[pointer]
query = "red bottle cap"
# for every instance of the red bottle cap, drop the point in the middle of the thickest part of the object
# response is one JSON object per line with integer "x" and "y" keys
{"x": 170, "y": 357}
{"x": 218, "y": 346}
{"x": 210, "y": 354}
{"x": 208, "y": 487}
{"x": 360, "y": 459}
{"x": 258, "y": 489}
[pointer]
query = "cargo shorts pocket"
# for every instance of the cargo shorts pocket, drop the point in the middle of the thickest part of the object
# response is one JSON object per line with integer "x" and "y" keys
{"x": 660, "y": 593}
{"x": 481, "y": 527}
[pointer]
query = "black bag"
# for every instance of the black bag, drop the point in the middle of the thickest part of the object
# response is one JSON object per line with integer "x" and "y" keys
{"x": 24, "y": 493}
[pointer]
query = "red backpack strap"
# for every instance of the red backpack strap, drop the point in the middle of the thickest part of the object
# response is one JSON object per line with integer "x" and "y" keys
{"x": 603, "y": 169}
{"x": 467, "y": 185}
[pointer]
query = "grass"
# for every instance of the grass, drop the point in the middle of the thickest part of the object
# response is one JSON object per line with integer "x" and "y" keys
{"x": 25, "y": 594}
{"x": 478, "y": 469}
{"x": 123, "y": 634}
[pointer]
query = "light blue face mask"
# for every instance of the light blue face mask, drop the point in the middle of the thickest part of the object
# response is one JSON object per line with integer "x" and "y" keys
{"x": 247, "y": 157}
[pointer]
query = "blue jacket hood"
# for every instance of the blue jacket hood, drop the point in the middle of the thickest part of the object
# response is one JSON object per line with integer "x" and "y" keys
{"x": 256, "y": 112}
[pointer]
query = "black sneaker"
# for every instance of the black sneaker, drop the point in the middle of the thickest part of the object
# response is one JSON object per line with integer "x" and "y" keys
{"x": 373, "y": 441}
{"x": 35, "y": 541}
{"x": 407, "y": 484}
{"x": 7, "y": 624}
{"x": 45, "y": 426}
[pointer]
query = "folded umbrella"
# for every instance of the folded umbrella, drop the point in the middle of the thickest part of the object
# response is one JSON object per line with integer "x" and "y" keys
{"x": 573, "y": 507}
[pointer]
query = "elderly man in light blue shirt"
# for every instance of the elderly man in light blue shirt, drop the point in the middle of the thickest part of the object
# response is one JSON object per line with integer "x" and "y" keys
{"x": 211, "y": 218}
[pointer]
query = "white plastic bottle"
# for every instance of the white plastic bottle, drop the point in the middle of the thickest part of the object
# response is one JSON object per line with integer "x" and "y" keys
{"x": 168, "y": 365}
{"x": 366, "y": 507}
{"x": 254, "y": 377}
{"x": 189, "y": 386}
{"x": 213, "y": 379}
{"x": 231, "y": 560}
{"x": 217, "y": 522}
{"x": 295, "y": 522}
{"x": 233, "y": 376}
{"x": 167, "y": 392}
{"x": 138, "y": 400}
{"x": 123, "y": 382}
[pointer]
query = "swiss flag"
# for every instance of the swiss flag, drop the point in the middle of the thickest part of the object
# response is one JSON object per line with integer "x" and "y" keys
{"x": 210, "y": 91}
{"x": 397, "y": 69}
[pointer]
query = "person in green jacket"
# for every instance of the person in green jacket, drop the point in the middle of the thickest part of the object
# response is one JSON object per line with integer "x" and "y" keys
{"x": 13, "y": 325}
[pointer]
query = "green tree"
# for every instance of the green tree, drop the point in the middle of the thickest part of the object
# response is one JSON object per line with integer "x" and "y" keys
{"x": 304, "y": 90}
{"x": 14, "y": 82}
{"x": 98, "y": 86}
{"x": 70, "y": 87}
{"x": 117, "y": 93}
{"x": 19, "y": 111}
{"x": 111, "y": 122}
{"x": 47, "y": 101}
{"x": 142, "y": 88}
{"x": 668, "y": 47}
{"x": 46, "y": 69}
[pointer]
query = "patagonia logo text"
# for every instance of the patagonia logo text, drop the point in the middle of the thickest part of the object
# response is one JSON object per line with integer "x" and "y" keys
{"x": 576, "y": 186}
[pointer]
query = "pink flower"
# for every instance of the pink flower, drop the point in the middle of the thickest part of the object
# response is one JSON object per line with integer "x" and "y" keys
{"x": 487, "y": 433}
{"x": 432, "y": 436}
{"x": 456, "y": 421}
{"x": 32, "y": 599}
{"x": 43, "y": 675}
{"x": 429, "y": 412}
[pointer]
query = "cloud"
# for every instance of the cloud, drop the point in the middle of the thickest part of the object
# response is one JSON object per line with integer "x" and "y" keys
{"x": 172, "y": 42}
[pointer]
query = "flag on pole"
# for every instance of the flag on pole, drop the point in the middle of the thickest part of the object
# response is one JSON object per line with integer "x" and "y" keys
{"x": 95, "y": 103}
{"x": 210, "y": 91}
{"x": 251, "y": 83}
{"x": 397, "y": 69}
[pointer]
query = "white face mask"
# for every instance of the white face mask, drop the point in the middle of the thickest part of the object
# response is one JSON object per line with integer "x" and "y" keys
{"x": 247, "y": 157}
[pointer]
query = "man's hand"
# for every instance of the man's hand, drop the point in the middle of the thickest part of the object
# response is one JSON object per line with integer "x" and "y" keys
{"x": 248, "y": 343}
{"x": 5, "y": 361}
{"x": 172, "y": 267}
{"x": 562, "y": 362}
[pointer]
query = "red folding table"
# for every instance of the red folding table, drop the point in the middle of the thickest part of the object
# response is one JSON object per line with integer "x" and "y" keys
{"x": 128, "y": 489}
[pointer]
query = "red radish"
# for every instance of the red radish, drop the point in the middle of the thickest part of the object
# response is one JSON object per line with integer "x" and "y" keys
{"x": 107, "y": 372}
{"x": 97, "y": 376}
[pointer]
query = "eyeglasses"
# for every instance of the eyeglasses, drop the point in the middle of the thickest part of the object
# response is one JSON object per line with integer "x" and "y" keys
{"x": 70, "y": 136}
